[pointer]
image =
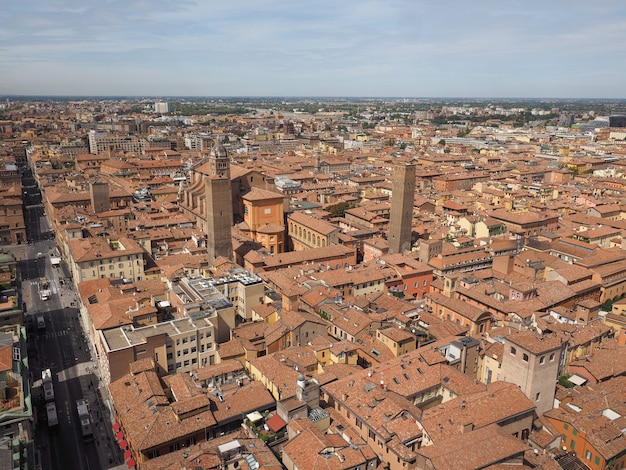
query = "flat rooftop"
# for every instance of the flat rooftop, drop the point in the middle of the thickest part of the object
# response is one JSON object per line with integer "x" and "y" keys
{"x": 128, "y": 336}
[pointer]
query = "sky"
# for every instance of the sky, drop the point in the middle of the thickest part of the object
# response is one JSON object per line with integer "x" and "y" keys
{"x": 338, "y": 48}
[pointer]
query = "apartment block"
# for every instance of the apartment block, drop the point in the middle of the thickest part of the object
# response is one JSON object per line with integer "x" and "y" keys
{"x": 180, "y": 345}
{"x": 414, "y": 276}
{"x": 97, "y": 258}
{"x": 307, "y": 232}
{"x": 526, "y": 224}
{"x": 475, "y": 319}
{"x": 589, "y": 420}
{"x": 12, "y": 226}
{"x": 17, "y": 445}
{"x": 349, "y": 324}
{"x": 397, "y": 340}
{"x": 389, "y": 423}
{"x": 336, "y": 448}
{"x": 458, "y": 181}
{"x": 161, "y": 416}
{"x": 360, "y": 281}
{"x": 200, "y": 298}
{"x": 236, "y": 450}
{"x": 102, "y": 142}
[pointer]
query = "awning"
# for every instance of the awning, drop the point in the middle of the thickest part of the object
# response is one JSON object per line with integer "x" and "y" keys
{"x": 128, "y": 454}
{"x": 123, "y": 444}
{"x": 131, "y": 463}
{"x": 254, "y": 416}
{"x": 164, "y": 304}
{"x": 116, "y": 427}
{"x": 275, "y": 423}
{"x": 577, "y": 379}
{"x": 227, "y": 447}
{"x": 119, "y": 435}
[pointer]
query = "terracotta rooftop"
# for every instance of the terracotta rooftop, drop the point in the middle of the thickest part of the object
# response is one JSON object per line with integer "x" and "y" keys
{"x": 481, "y": 448}
{"x": 258, "y": 194}
{"x": 93, "y": 249}
{"x": 494, "y": 405}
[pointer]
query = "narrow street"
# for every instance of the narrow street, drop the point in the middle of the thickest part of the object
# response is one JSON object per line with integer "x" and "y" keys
{"x": 61, "y": 346}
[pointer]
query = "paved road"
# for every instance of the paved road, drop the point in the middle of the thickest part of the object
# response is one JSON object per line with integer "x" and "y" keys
{"x": 62, "y": 347}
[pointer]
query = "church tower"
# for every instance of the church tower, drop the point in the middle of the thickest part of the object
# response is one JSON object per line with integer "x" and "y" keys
{"x": 219, "y": 206}
{"x": 401, "y": 216}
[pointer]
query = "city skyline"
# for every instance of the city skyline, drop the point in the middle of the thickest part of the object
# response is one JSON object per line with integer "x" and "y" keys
{"x": 352, "y": 49}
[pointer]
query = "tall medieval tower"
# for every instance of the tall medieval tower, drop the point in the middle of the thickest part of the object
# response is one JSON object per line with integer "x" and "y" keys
{"x": 401, "y": 217}
{"x": 100, "y": 198}
{"x": 219, "y": 206}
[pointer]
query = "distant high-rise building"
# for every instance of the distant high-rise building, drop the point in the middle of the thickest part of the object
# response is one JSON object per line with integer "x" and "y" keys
{"x": 566, "y": 120}
{"x": 102, "y": 142}
{"x": 617, "y": 120}
{"x": 161, "y": 107}
{"x": 94, "y": 137}
{"x": 219, "y": 206}
{"x": 401, "y": 216}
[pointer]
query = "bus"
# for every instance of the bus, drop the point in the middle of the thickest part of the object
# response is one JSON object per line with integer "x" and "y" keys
{"x": 51, "y": 412}
{"x": 82, "y": 407}
{"x": 48, "y": 389}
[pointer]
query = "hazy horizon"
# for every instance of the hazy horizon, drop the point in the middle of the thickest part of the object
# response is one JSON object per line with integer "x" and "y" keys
{"x": 295, "y": 97}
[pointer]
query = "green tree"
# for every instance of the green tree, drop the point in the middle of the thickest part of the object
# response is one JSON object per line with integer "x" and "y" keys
{"x": 607, "y": 306}
{"x": 339, "y": 209}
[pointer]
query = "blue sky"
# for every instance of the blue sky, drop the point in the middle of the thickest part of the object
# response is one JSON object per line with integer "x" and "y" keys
{"x": 409, "y": 48}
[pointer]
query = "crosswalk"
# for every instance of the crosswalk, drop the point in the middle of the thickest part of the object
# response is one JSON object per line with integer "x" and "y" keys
{"x": 55, "y": 334}
{"x": 53, "y": 286}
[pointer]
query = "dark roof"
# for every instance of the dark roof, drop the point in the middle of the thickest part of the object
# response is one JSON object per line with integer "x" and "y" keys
{"x": 570, "y": 461}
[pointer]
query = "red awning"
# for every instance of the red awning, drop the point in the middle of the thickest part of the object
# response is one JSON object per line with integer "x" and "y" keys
{"x": 128, "y": 454}
{"x": 131, "y": 463}
{"x": 123, "y": 444}
{"x": 275, "y": 423}
{"x": 119, "y": 436}
{"x": 116, "y": 427}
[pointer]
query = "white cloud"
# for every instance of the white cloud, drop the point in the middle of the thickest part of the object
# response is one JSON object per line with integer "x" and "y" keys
{"x": 407, "y": 47}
